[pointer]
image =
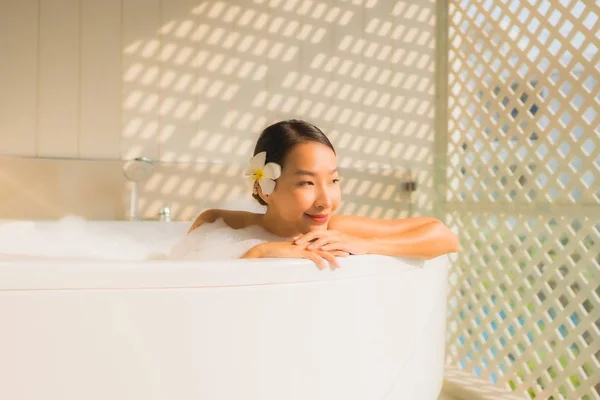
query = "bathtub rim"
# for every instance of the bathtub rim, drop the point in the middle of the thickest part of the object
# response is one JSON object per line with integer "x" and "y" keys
{"x": 164, "y": 274}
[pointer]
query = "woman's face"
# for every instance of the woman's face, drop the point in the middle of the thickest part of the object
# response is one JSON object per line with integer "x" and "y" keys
{"x": 307, "y": 192}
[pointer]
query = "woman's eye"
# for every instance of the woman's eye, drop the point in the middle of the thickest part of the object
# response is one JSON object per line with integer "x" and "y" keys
{"x": 305, "y": 183}
{"x": 336, "y": 180}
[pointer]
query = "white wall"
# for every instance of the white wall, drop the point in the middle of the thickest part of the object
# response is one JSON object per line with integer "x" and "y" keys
{"x": 188, "y": 81}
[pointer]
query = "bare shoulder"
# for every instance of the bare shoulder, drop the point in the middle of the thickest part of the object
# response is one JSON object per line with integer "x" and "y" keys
{"x": 205, "y": 217}
{"x": 234, "y": 219}
{"x": 370, "y": 227}
{"x": 241, "y": 219}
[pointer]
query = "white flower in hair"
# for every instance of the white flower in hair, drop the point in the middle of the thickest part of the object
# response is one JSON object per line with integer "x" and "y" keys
{"x": 264, "y": 174}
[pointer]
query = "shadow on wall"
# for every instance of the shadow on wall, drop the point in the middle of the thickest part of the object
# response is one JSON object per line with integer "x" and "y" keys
{"x": 200, "y": 80}
{"x": 188, "y": 189}
{"x": 197, "y": 94}
{"x": 37, "y": 188}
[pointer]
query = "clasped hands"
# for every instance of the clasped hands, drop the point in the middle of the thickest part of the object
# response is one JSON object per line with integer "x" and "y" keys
{"x": 321, "y": 247}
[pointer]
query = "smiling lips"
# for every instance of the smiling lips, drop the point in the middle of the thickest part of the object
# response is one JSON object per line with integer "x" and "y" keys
{"x": 319, "y": 219}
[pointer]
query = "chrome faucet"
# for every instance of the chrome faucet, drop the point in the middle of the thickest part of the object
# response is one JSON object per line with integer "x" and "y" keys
{"x": 137, "y": 170}
{"x": 165, "y": 214}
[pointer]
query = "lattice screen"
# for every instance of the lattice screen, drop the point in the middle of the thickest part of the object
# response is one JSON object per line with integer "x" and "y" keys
{"x": 524, "y": 191}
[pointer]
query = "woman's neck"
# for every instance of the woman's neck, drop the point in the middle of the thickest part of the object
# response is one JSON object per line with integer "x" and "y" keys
{"x": 272, "y": 223}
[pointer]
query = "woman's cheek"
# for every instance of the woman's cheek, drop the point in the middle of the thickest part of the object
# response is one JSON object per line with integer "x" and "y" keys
{"x": 304, "y": 199}
{"x": 336, "y": 195}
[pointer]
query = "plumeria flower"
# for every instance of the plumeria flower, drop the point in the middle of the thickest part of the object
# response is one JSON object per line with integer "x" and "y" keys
{"x": 264, "y": 174}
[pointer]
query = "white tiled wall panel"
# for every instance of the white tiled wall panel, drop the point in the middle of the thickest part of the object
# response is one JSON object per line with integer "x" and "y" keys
{"x": 140, "y": 75}
{"x": 59, "y": 72}
{"x": 100, "y": 90}
{"x": 19, "y": 69}
{"x": 194, "y": 81}
{"x": 187, "y": 80}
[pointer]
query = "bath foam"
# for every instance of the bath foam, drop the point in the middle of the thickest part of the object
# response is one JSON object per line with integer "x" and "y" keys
{"x": 70, "y": 237}
{"x": 217, "y": 241}
{"x": 74, "y": 238}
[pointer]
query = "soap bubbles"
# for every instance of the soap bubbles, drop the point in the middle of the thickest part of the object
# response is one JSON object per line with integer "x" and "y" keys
{"x": 75, "y": 238}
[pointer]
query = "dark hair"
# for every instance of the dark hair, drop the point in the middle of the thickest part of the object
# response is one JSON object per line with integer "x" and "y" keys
{"x": 279, "y": 139}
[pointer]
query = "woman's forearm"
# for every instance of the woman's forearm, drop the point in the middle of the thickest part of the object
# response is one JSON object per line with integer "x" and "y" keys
{"x": 254, "y": 252}
{"x": 427, "y": 241}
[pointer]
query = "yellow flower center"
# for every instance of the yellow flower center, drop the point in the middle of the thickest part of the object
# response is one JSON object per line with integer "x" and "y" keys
{"x": 259, "y": 174}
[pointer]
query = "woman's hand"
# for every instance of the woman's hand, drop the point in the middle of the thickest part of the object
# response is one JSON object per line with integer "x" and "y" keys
{"x": 332, "y": 241}
{"x": 291, "y": 250}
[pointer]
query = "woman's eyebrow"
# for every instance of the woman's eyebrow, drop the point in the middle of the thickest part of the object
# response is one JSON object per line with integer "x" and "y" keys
{"x": 305, "y": 172}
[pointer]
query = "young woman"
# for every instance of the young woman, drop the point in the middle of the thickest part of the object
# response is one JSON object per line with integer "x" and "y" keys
{"x": 294, "y": 174}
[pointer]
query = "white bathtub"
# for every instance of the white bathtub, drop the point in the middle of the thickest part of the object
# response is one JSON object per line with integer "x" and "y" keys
{"x": 72, "y": 328}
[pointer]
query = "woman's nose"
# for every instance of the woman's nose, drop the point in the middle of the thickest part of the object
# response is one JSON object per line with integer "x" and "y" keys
{"x": 323, "y": 199}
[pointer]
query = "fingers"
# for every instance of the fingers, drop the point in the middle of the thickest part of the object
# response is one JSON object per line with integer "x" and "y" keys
{"x": 339, "y": 253}
{"x": 304, "y": 239}
{"x": 321, "y": 258}
{"x": 310, "y": 236}
{"x": 329, "y": 257}
{"x": 313, "y": 240}
{"x": 303, "y": 246}
{"x": 319, "y": 243}
{"x": 320, "y": 261}
{"x": 337, "y": 246}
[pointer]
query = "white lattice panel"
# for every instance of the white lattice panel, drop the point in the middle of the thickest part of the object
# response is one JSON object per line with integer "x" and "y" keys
{"x": 523, "y": 189}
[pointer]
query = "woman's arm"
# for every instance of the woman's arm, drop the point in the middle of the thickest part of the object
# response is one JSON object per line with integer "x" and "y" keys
{"x": 427, "y": 241}
{"x": 367, "y": 227}
{"x": 290, "y": 250}
{"x": 411, "y": 237}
